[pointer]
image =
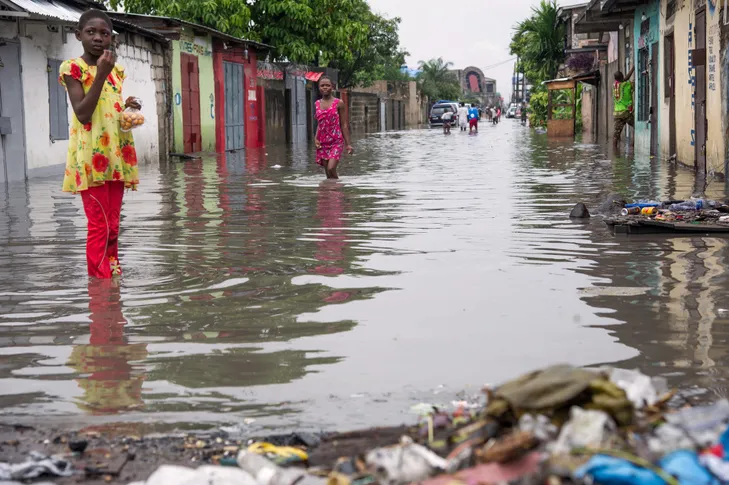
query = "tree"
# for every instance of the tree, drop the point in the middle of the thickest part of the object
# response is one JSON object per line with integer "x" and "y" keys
{"x": 343, "y": 34}
{"x": 437, "y": 81}
{"x": 539, "y": 42}
{"x": 230, "y": 16}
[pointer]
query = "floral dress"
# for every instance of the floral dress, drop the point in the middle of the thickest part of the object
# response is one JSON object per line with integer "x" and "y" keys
{"x": 329, "y": 133}
{"x": 99, "y": 151}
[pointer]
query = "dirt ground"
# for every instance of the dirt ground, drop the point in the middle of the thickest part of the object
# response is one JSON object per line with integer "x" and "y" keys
{"x": 124, "y": 459}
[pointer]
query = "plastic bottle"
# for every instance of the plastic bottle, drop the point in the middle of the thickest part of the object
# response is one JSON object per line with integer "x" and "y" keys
{"x": 644, "y": 203}
{"x": 268, "y": 473}
{"x": 688, "y": 205}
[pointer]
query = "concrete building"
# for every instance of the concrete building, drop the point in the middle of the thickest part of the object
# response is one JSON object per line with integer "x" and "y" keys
{"x": 475, "y": 85}
{"x": 35, "y": 38}
{"x": 387, "y": 105}
{"x": 679, "y": 50}
{"x": 215, "y": 102}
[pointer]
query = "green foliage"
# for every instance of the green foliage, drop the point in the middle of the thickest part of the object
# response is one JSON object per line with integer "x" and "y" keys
{"x": 230, "y": 16}
{"x": 538, "y": 107}
{"x": 539, "y": 43}
{"x": 343, "y": 34}
{"x": 437, "y": 81}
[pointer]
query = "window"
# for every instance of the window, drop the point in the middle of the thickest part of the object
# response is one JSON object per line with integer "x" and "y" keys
{"x": 489, "y": 88}
{"x": 670, "y": 8}
{"x": 643, "y": 85}
{"x": 58, "y": 103}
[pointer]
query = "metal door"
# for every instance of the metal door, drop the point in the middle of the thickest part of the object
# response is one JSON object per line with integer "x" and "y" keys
{"x": 654, "y": 99}
{"x": 700, "y": 106}
{"x": 12, "y": 136}
{"x": 234, "y": 114}
{"x": 383, "y": 111}
{"x": 297, "y": 86}
{"x": 191, "y": 131}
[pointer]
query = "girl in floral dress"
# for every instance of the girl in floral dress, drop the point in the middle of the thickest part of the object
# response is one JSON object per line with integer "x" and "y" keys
{"x": 101, "y": 160}
{"x": 332, "y": 131}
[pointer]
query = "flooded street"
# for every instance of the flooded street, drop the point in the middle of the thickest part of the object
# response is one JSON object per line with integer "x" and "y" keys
{"x": 434, "y": 266}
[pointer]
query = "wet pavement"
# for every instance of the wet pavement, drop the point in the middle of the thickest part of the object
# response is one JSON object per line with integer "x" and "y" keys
{"x": 263, "y": 296}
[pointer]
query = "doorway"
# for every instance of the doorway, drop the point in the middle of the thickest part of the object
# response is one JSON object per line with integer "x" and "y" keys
{"x": 234, "y": 119}
{"x": 669, "y": 64}
{"x": 191, "y": 132}
{"x": 12, "y": 136}
{"x": 699, "y": 59}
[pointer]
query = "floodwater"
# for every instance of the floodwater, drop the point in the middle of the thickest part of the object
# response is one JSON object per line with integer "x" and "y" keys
{"x": 256, "y": 294}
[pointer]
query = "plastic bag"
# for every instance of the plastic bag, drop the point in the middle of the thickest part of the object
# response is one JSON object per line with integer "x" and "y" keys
{"x": 131, "y": 118}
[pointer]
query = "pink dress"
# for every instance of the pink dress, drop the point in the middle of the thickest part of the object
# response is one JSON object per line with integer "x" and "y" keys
{"x": 330, "y": 133}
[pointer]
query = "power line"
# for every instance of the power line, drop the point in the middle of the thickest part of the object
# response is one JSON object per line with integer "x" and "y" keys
{"x": 499, "y": 63}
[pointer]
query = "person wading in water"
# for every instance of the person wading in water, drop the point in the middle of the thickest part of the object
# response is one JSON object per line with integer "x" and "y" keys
{"x": 332, "y": 131}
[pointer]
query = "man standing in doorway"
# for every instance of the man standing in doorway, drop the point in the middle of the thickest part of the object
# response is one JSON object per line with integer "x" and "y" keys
{"x": 623, "y": 97}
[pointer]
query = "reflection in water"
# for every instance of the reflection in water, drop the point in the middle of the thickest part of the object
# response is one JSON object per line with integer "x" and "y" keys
{"x": 108, "y": 379}
{"x": 254, "y": 291}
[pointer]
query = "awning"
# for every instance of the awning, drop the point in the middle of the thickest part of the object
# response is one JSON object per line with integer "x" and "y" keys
{"x": 313, "y": 76}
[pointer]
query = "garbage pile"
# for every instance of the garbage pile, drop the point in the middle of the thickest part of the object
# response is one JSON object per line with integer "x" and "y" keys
{"x": 697, "y": 210}
{"x": 559, "y": 425}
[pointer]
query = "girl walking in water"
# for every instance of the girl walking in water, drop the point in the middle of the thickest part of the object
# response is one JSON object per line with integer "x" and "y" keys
{"x": 101, "y": 160}
{"x": 332, "y": 131}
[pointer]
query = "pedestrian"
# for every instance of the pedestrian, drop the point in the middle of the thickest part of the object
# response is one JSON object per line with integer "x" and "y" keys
{"x": 494, "y": 119}
{"x": 473, "y": 119}
{"x": 463, "y": 116}
{"x": 101, "y": 160}
{"x": 623, "y": 99}
{"x": 498, "y": 114}
{"x": 332, "y": 131}
{"x": 446, "y": 118}
{"x": 523, "y": 113}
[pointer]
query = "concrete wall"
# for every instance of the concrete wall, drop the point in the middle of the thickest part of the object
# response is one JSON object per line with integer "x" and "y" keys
{"x": 682, "y": 24}
{"x": 364, "y": 114}
{"x": 202, "y": 48}
{"x": 136, "y": 54}
{"x": 404, "y": 107}
{"x": 715, "y": 93}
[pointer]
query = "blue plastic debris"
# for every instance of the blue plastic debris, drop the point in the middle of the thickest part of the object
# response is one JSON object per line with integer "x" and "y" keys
{"x": 685, "y": 466}
{"x": 608, "y": 470}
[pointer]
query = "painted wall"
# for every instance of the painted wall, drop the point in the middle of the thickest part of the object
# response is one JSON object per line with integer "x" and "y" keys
{"x": 202, "y": 48}
{"x": 682, "y": 24}
{"x": 715, "y": 142}
{"x": 683, "y": 31}
{"x": 36, "y": 47}
{"x": 643, "y": 128}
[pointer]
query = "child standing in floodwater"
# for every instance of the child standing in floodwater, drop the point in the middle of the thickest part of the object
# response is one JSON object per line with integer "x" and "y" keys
{"x": 332, "y": 131}
{"x": 101, "y": 160}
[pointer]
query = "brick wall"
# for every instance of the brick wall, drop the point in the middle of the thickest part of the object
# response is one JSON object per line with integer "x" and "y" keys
{"x": 364, "y": 114}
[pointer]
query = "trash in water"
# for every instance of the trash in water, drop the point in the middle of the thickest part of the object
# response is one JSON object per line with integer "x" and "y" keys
{"x": 585, "y": 429}
{"x": 36, "y": 465}
{"x": 404, "y": 463}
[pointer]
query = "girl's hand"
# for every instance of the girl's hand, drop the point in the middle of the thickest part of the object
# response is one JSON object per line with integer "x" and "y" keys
{"x": 317, "y": 143}
{"x": 133, "y": 103}
{"x": 105, "y": 64}
{"x": 350, "y": 150}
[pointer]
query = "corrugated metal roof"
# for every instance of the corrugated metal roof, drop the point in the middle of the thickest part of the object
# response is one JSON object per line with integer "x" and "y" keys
{"x": 49, "y": 8}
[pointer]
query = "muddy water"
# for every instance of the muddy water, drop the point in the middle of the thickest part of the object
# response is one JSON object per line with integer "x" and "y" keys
{"x": 253, "y": 290}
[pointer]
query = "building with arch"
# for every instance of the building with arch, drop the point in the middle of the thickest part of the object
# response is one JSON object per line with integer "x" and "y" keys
{"x": 475, "y": 84}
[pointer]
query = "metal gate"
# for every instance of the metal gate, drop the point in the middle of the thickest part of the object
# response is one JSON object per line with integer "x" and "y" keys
{"x": 234, "y": 106}
{"x": 12, "y": 137}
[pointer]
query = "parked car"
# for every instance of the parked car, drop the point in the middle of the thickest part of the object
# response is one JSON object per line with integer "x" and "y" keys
{"x": 436, "y": 112}
{"x": 511, "y": 112}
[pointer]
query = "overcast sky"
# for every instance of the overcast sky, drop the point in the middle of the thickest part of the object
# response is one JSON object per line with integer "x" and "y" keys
{"x": 479, "y": 32}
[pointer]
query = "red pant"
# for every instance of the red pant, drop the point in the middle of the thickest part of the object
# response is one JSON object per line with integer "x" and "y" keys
{"x": 102, "y": 205}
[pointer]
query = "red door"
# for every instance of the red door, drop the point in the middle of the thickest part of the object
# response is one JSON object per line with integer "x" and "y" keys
{"x": 190, "y": 103}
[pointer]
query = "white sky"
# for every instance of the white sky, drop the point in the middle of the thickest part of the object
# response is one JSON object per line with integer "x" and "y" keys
{"x": 481, "y": 31}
